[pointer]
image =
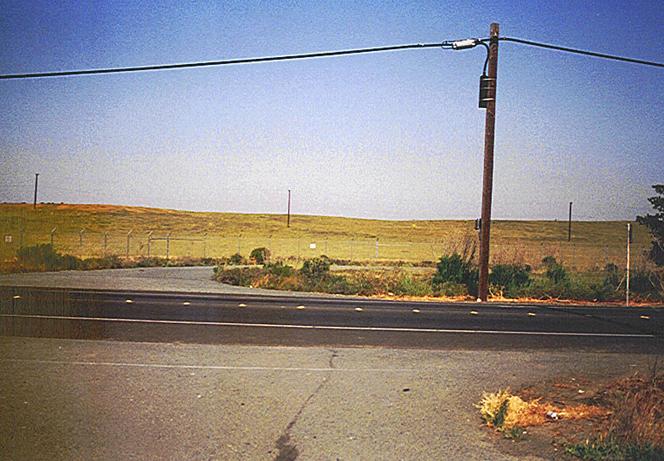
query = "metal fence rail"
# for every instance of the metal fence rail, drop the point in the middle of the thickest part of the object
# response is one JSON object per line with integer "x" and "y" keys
{"x": 84, "y": 244}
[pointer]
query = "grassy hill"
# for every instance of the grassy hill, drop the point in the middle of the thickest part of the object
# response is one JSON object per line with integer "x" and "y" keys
{"x": 222, "y": 234}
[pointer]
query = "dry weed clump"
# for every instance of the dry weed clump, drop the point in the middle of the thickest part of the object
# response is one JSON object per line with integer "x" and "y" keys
{"x": 638, "y": 405}
{"x": 504, "y": 411}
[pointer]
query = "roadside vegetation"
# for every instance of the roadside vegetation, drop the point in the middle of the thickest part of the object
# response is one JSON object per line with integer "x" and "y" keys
{"x": 455, "y": 275}
{"x": 43, "y": 257}
{"x": 619, "y": 420}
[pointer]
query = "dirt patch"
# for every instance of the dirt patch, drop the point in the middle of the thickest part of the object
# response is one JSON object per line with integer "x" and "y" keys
{"x": 550, "y": 416}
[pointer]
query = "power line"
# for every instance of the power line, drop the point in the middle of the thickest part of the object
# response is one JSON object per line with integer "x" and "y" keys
{"x": 288, "y": 57}
{"x": 579, "y": 51}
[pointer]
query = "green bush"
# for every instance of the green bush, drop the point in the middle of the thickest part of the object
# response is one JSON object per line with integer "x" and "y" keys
{"x": 510, "y": 277}
{"x": 44, "y": 257}
{"x": 451, "y": 289}
{"x": 260, "y": 255}
{"x": 554, "y": 270}
{"x": 316, "y": 268}
{"x": 644, "y": 282}
{"x": 279, "y": 269}
{"x": 238, "y": 276}
{"x": 454, "y": 269}
{"x": 236, "y": 259}
{"x": 612, "y": 277}
{"x": 569, "y": 288}
{"x": 412, "y": 286}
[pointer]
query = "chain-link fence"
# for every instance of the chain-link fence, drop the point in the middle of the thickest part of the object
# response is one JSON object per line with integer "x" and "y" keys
{"x": 86, "y": 244}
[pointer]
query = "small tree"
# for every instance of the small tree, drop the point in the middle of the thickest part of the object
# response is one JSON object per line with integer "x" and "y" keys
{"x": 655, "y": 223}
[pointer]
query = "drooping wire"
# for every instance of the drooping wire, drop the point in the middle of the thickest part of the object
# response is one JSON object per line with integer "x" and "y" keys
{"x": 579, "y": 51}
{"x": 186, "y": 65}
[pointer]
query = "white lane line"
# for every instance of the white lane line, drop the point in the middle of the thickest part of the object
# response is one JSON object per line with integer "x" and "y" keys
{"x": 531, "y": 314}
{"x": 242, "y": 305}
{"x": 300, "y": 307}
{"x": 200, "y": 367}
{"x": 358, "y": 309}
{"x": 335, "y": 327}
{"x": 474, "y": 313}
{"x": 186, "y": 303}
{"x": 645, "y": 317}
{"x": 416, "y": 311}
{"x": 17, "y": 297}
{"x": 129, "y": 301}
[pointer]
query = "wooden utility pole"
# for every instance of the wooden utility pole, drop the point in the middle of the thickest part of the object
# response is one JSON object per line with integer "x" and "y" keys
{"x": 487, "y": 183}
{"x": 569, "y": 224}
{"x": 288, "y": 219}
{"x": 34, "y": 203}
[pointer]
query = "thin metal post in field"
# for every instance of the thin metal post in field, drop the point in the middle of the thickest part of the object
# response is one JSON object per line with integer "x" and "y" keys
{"x": 629, "y": 238}
{"x": 128, "y": 241}
{"x": 288, "y": 219}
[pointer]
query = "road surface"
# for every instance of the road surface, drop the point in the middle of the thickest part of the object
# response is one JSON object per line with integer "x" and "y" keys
{"x": 282, "y": 320}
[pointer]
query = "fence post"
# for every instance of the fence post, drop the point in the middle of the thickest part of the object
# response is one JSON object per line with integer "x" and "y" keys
{"x": 52, "y": 234}
{"x": 128, "y": 240}
{"x": 351, "y": 249}
{"x": 629, "y": 234}
{"x": 105, "y": 242}
{"x": 168, "y": 246}
{"x": 80, "y": 240}
{"x": 149, "y": 241}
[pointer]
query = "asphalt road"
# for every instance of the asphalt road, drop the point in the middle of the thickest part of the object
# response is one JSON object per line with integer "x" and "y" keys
{"x": 283, "y": 320}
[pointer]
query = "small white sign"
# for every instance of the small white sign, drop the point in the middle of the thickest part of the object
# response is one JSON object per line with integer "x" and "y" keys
{"x": 312, "y": 246}
{"x": 8, "y": 239}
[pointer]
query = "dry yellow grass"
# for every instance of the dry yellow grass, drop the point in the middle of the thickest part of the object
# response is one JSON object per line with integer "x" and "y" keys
{"x": 222, "y": 234}
{"x": 503, "y": 410}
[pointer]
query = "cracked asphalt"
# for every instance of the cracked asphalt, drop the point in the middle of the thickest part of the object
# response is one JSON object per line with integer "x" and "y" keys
{"x": 70, "y": 399}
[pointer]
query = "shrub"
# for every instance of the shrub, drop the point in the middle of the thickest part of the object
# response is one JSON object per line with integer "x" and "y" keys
{"x": 41, "y": 257}
{"x": 260, "y": 255}
{"x": 238, "y": 276}
{"x": 451, "y": 289}
{"x": 644, "y": 282}
{"x": 279, "y": 269}
{"x": 613, "y": 277}
{"x": 409, "y": 285}
{"x": 236, "y": 259}
{"x": 454, "y": 269}
{"x": 554, "y": 270}
{"x": 316, "y": 268}
{"x": 510, "y": 277}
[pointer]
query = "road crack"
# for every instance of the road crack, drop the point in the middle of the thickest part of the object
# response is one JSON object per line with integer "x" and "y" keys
{"x": 287, "y": 450}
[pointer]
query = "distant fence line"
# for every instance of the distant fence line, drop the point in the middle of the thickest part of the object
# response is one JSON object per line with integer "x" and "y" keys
{"x": 85, "y": 244}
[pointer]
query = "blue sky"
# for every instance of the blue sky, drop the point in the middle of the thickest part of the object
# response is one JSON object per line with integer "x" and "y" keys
{"x": 394, "y": 135}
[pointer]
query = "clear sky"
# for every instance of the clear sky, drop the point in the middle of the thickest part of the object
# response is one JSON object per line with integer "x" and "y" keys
{"x": 394, "y": 135}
